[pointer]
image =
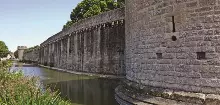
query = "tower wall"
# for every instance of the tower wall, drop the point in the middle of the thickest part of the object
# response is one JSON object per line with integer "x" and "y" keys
{"x": 173, "y": 44}
{"x": 21, "y": 52}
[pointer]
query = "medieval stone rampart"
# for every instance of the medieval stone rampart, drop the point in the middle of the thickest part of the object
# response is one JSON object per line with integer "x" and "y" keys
{"x": 94, "y": 45}
{"x": 171, "y": 50}
{"x": 32, "y": 56}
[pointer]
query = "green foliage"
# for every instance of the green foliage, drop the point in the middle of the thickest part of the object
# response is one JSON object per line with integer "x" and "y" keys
{"x": 16, "y": 89}
{"x": 3, "y": 49}
{"x": 88, "y": 8}
{"x": 67, "y": 25}
{"x": 31, "y": 49}
{"x": 16, "y": 54}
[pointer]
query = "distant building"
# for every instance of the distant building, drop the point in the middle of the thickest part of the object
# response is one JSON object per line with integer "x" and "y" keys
{"x": 21, "y": 52}
{"x": 12, "y": 56}
{"x": 9, "y": 56}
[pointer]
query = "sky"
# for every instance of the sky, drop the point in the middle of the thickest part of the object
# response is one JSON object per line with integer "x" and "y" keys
{"x": 30, "y": 22}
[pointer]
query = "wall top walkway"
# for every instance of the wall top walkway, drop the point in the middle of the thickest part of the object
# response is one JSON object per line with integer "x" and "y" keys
{"x": 94, "y": 21}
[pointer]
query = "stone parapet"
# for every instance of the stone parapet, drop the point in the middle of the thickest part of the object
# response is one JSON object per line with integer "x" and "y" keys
{"x": 93, "y": 45}
{"x": 88, "y": 23}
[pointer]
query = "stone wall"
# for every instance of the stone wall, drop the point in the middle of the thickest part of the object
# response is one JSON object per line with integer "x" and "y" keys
{"x": 32, "y": 56}
{"x": 174, "y": 44}
{"x": 20, "y": 50}
{"x": 94, "y": 45}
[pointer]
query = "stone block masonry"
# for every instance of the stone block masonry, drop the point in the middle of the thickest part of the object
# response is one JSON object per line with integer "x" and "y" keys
{"x": 32, "y": 56}
{"x": 93, "y": 45}
{"x": 174, "y": 44}
{"x": 170, "y": 48}
{"x": 20, "y": 50}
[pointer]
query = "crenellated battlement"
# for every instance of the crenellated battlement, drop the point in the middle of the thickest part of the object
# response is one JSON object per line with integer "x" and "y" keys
{"x": 21, "y": 47}
{"x": 21, "y": 51}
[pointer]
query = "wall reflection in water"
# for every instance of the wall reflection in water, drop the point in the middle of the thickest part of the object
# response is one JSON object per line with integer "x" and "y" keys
{"x": 97, "y": 91}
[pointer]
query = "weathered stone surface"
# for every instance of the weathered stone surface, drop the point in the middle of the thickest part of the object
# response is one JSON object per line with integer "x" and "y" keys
{"x": 172, "y": 44}
{"x": 93, "y": 45}
{"x": 134, "y": 93}
{"x": 20, "y": 50}
{"x": 190, "y": 61}
{"x": 32, "y": 56}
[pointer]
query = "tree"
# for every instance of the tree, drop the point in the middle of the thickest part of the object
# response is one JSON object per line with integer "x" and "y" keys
{"x": 16, "y": 54}
{"x": 67, "y": 25}
{"x": 3, "y": 49}
{"x": 88, "y": 8}
{"x": 31, "y": 49}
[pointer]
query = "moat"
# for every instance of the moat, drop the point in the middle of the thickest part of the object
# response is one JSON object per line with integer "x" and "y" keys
{"x": 79, "y": 89}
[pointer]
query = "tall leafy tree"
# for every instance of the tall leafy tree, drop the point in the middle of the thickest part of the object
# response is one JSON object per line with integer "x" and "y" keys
{"x": 88, "y": 8}
{"x": 3, "y": 49}
{"x": 31, "y": 49}
{"x": 16, "y": 54}
{"x": 68, "y": 24}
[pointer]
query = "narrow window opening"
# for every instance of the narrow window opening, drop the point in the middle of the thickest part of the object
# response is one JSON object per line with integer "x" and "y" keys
{"x": 173, "y": 23}
{"x": 201, "y": 55}
{"x": 159, "y": 55}
{"x": 174, "y": 38}
{"x": 70, "y": 51}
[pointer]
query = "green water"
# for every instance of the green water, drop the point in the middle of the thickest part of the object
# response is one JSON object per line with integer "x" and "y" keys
{"x": 79, "y": 89}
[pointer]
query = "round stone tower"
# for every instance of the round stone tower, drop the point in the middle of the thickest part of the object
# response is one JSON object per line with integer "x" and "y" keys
{"x": 21, "y": 52}
{"x": 173, "y": 44}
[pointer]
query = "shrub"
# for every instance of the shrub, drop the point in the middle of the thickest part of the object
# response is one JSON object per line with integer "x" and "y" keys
{"x": 15, "y": 89}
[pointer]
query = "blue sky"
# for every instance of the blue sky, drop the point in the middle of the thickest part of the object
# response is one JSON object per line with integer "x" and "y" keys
{"x": 30, "y": 22}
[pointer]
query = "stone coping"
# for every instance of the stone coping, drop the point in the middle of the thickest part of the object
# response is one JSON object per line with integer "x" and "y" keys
{"x": 131, "y": 93}
{"x": 103, "y": 18}
{"x": 83, "y": 73}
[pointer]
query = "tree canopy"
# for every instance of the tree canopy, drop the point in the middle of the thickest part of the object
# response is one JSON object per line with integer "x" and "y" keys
{"x": 16, "y": 54}
{"x": 3, "y": 49}
{"x": 31, "y": 49}
{"x": 88, "y": 8}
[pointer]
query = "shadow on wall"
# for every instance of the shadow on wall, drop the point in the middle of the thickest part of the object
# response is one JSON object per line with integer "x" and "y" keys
{"x": 95, "y": 48}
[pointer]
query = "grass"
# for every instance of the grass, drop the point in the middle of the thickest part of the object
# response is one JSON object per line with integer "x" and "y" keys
{"x": 15, "y": 89}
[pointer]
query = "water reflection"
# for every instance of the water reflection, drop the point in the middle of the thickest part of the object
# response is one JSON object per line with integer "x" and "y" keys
{"x": 88, "y": 91}
{"x": 79, "y": 89}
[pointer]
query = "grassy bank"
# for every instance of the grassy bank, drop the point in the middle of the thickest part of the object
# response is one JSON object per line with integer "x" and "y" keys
{"x": 15, "y": 89}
